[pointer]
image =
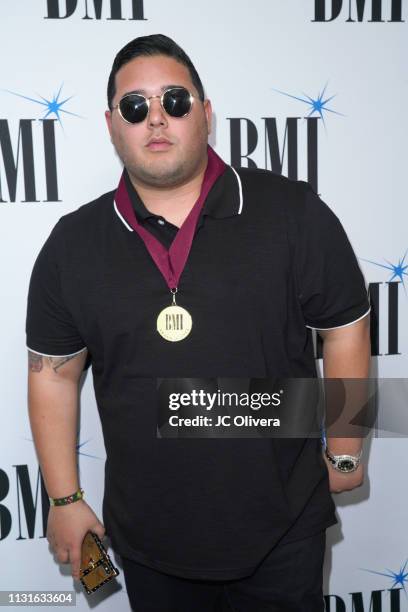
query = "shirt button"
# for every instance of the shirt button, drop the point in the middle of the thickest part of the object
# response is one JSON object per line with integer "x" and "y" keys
{"x": 160, "y": 221}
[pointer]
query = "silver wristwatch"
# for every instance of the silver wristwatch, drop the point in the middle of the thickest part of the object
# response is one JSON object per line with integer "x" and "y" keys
{"x": 344, "y": 463}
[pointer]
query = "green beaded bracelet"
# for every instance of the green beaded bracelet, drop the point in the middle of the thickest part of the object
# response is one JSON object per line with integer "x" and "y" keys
{"x": 69, "y": 499}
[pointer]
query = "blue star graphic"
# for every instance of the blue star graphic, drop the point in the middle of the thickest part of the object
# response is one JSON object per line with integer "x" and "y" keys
{"x": 52, "y": 107}
{"x": 399, "y": 578}
{"x": 398, "y": 270}
{"x": 78, "y": 446}
{"x": 317, "y": 105}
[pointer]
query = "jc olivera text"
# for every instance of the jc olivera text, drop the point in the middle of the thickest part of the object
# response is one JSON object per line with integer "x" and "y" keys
{"x": 223, "y": 421}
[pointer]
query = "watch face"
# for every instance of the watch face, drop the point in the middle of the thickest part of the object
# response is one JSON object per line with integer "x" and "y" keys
{"x": 346, "y": 465}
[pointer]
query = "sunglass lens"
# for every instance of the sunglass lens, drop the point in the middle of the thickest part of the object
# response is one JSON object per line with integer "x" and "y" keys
{"x": 133, "y": 108}
{"x": 177, "y": 102}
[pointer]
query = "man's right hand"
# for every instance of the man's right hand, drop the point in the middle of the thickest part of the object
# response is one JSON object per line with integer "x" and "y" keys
{"x": 66, "y": 529}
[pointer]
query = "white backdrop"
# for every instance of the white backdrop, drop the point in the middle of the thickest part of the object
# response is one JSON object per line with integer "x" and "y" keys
{"x": 257, "y": 60}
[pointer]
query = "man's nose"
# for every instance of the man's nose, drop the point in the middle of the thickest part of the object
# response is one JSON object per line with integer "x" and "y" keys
{"x": 156, "y": 115}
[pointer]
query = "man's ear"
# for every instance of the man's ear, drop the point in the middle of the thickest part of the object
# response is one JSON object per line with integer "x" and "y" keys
{"x": 108, "y": 117}
{"x": 208, "y": 114}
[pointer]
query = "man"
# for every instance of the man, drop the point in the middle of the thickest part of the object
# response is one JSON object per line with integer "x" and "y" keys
{"x": 192, "y": 269}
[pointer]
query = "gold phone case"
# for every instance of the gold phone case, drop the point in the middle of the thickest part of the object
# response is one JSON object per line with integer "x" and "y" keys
{"x": 96, "y": 567}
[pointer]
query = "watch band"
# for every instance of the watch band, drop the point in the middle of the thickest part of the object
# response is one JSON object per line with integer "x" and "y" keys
{"x": 344, "y": 463}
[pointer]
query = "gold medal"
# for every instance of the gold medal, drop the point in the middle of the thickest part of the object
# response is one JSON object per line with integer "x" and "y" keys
{"x": 174, "y": 323}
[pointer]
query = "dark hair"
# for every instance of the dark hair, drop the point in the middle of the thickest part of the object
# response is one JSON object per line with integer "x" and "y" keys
{"x": 155, "y": 44}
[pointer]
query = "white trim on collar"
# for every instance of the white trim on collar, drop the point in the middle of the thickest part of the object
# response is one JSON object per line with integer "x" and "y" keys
{"x": 121, "y": 218}
{"x": 241, "y": 201}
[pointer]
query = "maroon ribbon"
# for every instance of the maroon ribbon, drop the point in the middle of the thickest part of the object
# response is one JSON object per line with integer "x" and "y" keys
{"x": 171, "y": 262}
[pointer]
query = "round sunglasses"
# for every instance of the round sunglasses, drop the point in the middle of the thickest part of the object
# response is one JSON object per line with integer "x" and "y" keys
{"x": 175, "y": 101}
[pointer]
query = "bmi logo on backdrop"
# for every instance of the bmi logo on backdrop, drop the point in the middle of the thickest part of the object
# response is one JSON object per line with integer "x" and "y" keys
{"x": 374, "y": 11}
{"x": 118, "y": 10}
{"x": 244, "y": 130}
{"x": 382, "y": 11}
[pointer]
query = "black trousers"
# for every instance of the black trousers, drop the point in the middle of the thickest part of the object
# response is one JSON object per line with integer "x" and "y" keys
{"x": 289, "y": 579}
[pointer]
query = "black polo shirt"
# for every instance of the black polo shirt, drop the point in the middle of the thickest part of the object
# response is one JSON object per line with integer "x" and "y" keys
{"x": 269, "y": 262}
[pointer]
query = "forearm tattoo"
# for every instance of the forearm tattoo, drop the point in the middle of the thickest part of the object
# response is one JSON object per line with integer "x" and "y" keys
{"x": 36, "y": 361}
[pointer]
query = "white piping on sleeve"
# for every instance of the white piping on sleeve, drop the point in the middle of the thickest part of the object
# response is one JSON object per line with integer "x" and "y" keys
{"x": 338, "y": 326}
{"x": 121, "y": 218}
{"x": 45, "y": 354}
{"x": 241, "y": 201}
